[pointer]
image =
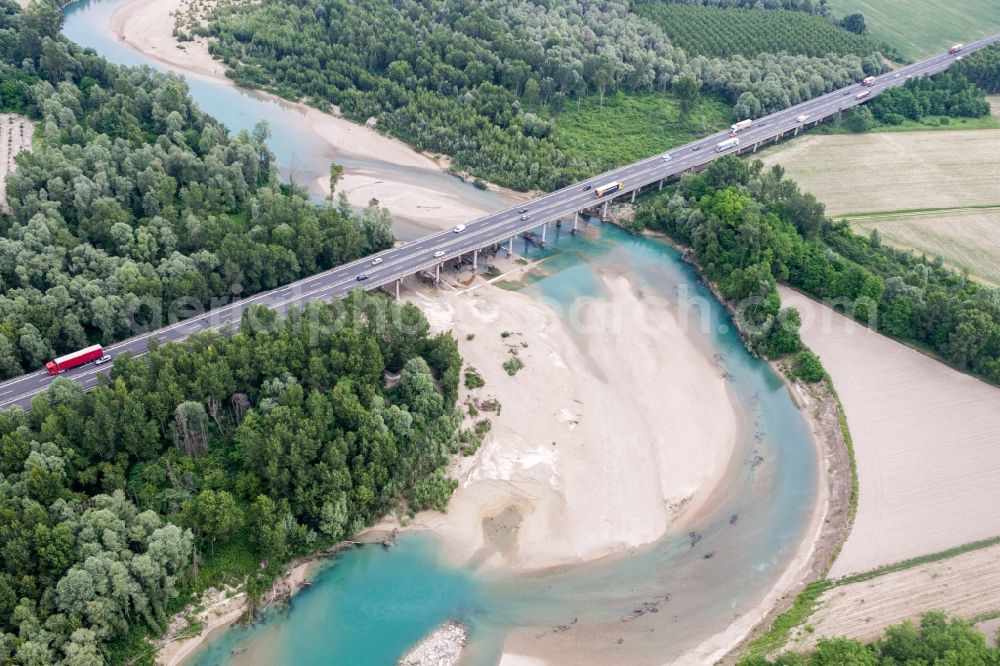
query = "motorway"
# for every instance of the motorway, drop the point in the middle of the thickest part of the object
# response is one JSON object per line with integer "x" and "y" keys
{"x": 419, "y": 255}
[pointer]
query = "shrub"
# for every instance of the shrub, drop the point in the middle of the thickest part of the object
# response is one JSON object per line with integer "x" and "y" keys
{"x": 808, "y": 368}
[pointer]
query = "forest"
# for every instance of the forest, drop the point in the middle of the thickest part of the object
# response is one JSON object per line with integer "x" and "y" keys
{"x": 948, "y": 94}
{"x": 749, "y": 227}
{"x": 936, "y": 640}
{"x": 486, "y": 82}
{"x": 212, "y": 460}
{"x": 982, "y": 68}
{"x": 132, "y": 199}
{"x": 709, "y": 31}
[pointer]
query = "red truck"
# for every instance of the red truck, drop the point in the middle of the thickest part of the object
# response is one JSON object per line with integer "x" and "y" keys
{"x": 77, "y": 358}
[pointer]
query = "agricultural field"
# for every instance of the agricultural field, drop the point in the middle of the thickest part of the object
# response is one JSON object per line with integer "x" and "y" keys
{"x": 965, "y": 238}
{"x": 894, "y": 171}
{"x": 966, "y": 585}
{"x": 631, "y": 127}
{"x": 924, "y": 441}
{"x": 712, "y": 31}
{"x": 919, "y": 28}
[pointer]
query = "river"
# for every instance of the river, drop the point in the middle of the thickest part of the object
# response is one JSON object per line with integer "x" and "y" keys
{"x": 368, "y": 606}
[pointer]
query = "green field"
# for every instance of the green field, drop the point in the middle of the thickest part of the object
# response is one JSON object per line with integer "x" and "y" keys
{"x": 919, "y": 28}
{"x": 712, "y": 31}
{"x": 630, "y": 127}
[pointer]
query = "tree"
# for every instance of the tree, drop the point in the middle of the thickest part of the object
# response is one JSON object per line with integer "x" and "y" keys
{"x": 218, "y": 516}
{"x": 854, "y": 22}
{"x": 686, "y": 89}
{"x": 808, "y": 367}
{"x": 192, "y": 424}
{"x": 336, "y": 173}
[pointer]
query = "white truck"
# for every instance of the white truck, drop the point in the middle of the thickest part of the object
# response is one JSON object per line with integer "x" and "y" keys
{"x": 727, "y": 144}
{"x": 740, "y": 126}
{"x": 802, "y": 117}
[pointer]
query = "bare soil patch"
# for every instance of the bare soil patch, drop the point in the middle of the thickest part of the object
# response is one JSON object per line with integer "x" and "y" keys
{"x": 925, "y": 440}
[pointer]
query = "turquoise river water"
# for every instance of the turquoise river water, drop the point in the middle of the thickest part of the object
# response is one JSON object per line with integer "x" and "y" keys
{"x": 367, "y": 606}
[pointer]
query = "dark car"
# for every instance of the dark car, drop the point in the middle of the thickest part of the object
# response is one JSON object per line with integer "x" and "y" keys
{"x": 586, "y": 187}
{"x": 523, "y": 210}
{"x": 696, "y": 148}
{"x": 363, "y": 276}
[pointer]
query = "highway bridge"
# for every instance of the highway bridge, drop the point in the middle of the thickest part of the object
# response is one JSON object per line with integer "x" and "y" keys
{"x": 387, "y": 268}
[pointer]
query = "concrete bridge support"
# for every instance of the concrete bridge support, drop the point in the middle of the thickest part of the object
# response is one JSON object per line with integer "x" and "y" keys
{"x": 576, "y": 220}
{"x": 661, "y": 185}
{"x": 604, "y": 212}
{"x": 634, "y": 192}
{"x": 437, "y": 274}
{"x": 510, "y": 247}
{"x": 397, "y": 288}
{"x": 545, "y": 225}
{"x": 475, "y": 260}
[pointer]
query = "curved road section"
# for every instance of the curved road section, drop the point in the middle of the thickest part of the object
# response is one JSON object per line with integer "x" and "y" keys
{"x": 390, "y": 265}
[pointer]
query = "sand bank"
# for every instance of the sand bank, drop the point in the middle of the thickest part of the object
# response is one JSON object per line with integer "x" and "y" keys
{"x": 925, "y": 440}
{"x": 593, "y": 452}
{"x": 147, "y": 26}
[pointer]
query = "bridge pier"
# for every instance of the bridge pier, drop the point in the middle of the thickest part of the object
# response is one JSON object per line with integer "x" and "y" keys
{"x": 604, "y": 213}
{"x": 397, "y": 289}
{"x": 755, "y": 146}
{"x": 437, "y": 274}
{"x": 661, "y": 185}
{"x": 576, "y": 220}
{"x": 796, "y": 132}
{"x": 545, "y": 225}
{"x": 510, "y": 247}
{"x": 475, "y": 260}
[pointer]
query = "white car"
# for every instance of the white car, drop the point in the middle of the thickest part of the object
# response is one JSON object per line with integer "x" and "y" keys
{"x": 666, "y": 157}
{"x": 376, "y": 261}
{"x": 896, "y": 77}
{"x": 439, "y": 253}
{"x": 459, "y": 229}
{"x": 104, "y": 359}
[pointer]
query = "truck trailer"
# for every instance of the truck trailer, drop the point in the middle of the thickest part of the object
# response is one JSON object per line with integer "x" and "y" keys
{"x": 727, "y": 144}
{"x": 868, "y": 81}
{"x": 862, "y": 95}
{"x": 608, "y": 189}
{"x": 76, "y": 359}
{"x": 740, "y": 126}
{"x": 955, "y": 49}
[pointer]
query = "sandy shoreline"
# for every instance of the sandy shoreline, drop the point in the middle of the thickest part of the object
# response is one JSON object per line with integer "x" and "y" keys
{"x": 147, "y": 26}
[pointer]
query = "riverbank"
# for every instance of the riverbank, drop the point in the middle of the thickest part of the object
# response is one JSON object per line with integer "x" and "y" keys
{"x": 219, "y": 609}
{"x": 147, "y": 26}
